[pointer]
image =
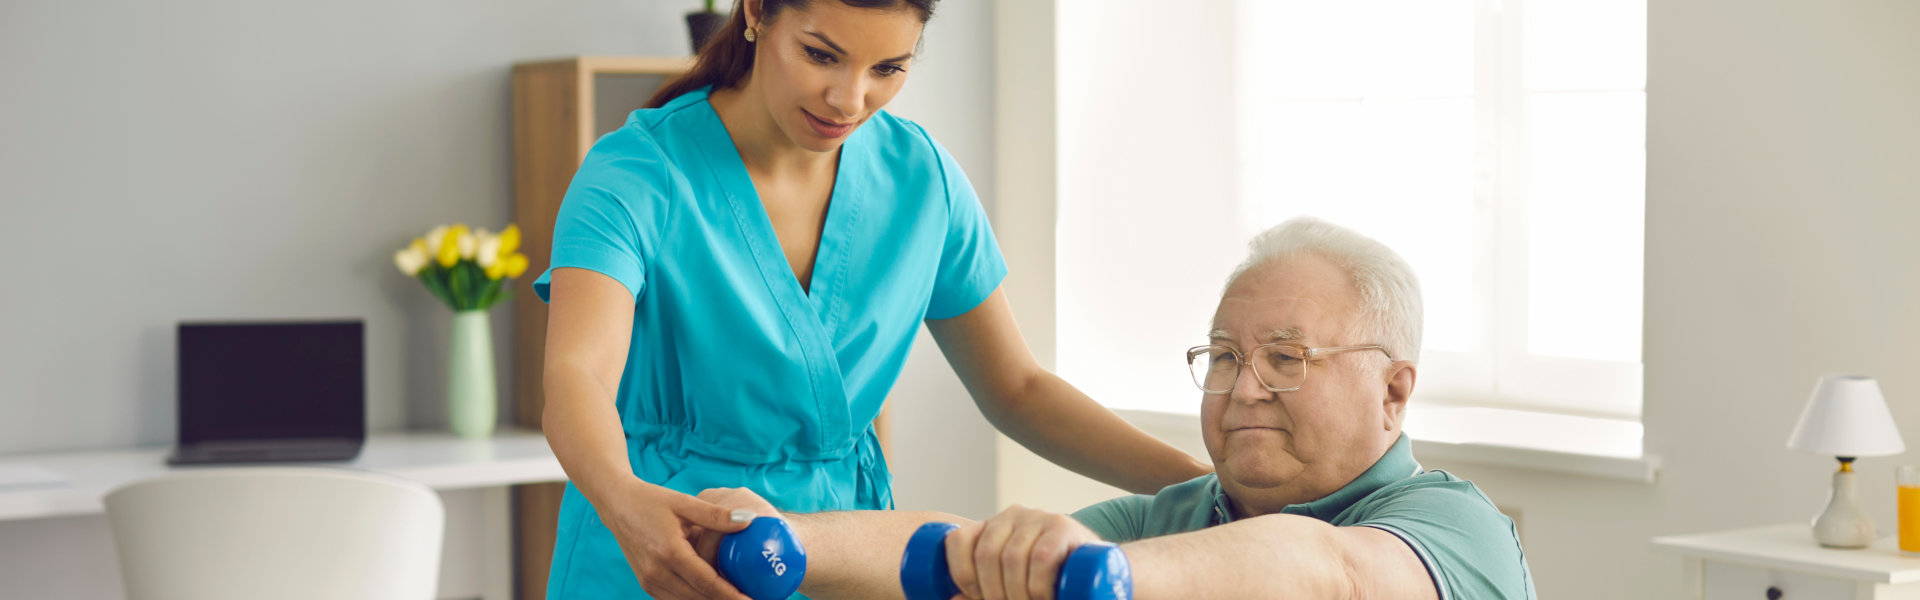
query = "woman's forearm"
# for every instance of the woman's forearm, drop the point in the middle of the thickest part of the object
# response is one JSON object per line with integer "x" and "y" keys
{"x": 1046, "y": 414}
{"x": 1063, "y": 425}
{"x": 583, "y": 428}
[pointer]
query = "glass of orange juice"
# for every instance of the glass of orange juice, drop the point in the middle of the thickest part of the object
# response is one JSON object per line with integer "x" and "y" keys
{"x": 1908, "y": 479}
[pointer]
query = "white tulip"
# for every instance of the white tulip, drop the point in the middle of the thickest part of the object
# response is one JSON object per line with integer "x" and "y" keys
{"x": 410, "y": 260}
{"x": 466, "y": 244}
{"x": 488, "y": 252}
{"x": 434, "y": 237}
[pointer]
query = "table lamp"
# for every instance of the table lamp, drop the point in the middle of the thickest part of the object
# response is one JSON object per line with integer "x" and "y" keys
{"x": 1847, "y": 419}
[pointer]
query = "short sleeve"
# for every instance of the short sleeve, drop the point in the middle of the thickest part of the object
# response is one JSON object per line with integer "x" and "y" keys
{"x": 1468, "y": 547}
{"x": 1118, "y": 520}
{"x": 971, "y": 266}
{"x": 611, "y": 215}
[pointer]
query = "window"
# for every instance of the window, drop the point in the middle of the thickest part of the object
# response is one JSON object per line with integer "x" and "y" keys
{"x": 1498, "y": 145}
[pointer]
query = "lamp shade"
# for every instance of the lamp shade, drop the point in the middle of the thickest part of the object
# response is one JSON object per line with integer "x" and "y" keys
{"x": 1847, "y": 417}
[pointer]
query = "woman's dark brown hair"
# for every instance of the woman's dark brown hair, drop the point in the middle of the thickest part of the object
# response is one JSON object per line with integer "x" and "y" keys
{"x": 728, "y": 56}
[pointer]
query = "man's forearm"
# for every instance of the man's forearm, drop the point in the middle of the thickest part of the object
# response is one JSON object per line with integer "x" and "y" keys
{"x": 1274, "y": 556}
{"x": 856, "y": 554}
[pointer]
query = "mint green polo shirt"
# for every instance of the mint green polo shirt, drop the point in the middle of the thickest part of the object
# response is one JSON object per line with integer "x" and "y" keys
{"x": 1469, "y": 548}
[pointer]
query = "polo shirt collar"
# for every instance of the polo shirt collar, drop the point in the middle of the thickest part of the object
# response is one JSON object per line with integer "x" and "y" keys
{"x": 1395, "y": 465}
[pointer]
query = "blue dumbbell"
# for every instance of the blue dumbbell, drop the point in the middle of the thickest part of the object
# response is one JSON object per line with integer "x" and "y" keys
{"x": 1094, "y": 571}
{"x": 765, "y": 560}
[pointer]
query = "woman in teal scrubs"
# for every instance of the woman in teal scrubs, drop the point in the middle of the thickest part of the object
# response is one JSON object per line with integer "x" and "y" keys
{"x": 737, "y": 274}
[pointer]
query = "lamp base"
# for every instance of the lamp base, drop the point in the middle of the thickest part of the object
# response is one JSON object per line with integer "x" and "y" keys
{"x": 1843, "y": 524}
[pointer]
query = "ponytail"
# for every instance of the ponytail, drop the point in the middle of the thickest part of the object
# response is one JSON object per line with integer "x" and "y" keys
{"x": 728, "y": 56}
{"x": 726, "y": 59}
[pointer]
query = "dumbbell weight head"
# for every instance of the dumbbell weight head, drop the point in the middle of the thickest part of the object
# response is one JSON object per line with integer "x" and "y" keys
{"x": 1094, "y": 571}
{"x": 765, "y": 560}
{"x": 923, "y": 569}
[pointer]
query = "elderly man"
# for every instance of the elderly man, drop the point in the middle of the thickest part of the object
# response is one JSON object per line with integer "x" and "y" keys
{"x": 1305, "y": 377}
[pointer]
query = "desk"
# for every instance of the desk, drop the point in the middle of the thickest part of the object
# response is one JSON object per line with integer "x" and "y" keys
{"x": 477, "y": 560}
{"x": 1782, "y": 562}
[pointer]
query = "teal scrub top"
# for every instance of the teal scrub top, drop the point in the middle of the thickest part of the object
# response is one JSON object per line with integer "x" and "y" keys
{"x": 736, "y": 376}
{"x": 1470, "y": 549}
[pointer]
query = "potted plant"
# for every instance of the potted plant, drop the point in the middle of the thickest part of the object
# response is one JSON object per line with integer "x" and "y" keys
{"x": 468, "y": 271}
{"x": 702, "y": 23}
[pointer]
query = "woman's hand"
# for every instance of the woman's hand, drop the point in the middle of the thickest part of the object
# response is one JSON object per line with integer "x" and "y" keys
{"x": 656, "y": 528}
{"x": 742, "y": 504}
{"x": 1014, "y": 555}
{"x": 737, "y": 499}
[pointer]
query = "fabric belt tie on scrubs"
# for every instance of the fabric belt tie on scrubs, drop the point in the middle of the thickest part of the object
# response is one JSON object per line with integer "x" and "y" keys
{"x": 660, "y": 454}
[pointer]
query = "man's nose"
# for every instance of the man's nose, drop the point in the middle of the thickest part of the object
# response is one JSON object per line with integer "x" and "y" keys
{"x": 1247, "y": 387}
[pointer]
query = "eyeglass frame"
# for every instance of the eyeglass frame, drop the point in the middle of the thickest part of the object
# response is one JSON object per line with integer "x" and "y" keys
{"x": 1308, "y": 356}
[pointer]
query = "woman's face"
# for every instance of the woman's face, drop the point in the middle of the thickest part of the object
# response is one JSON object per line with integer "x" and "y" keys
{"x": 826, "y": 68}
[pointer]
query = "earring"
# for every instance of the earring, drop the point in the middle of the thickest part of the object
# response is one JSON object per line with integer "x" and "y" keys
{"x": 750, "y": 35}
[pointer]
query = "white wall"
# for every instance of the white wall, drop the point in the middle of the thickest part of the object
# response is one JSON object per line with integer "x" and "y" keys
{"x": 1781, "y": 215}
{"x": 208, "y": 159}
{"x": 1147, "y": 144}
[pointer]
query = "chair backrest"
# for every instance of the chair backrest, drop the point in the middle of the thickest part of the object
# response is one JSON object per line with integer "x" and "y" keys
{"x": 272, "y": 532}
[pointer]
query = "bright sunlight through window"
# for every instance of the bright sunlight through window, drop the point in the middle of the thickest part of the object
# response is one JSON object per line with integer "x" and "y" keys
{"x": 1498, "y": 145}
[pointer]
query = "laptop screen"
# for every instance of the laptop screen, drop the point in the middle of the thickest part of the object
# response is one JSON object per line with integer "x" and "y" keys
{"x": 257, "y": 381}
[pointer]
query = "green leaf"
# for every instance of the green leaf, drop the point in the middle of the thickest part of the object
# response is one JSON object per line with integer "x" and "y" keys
{"x": 477, "y": 279}
{"x": 491, "y": 294}
{"x": 458, "y": 283}
{"x": 431, "y": 277}
{"x": 446, "y": 287}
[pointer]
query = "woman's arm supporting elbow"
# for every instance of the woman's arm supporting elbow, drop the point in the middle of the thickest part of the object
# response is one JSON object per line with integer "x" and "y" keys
{"x": 588, "y": 332}
{"x": 1045, "y": 413}
{"x": 589, "y": 327}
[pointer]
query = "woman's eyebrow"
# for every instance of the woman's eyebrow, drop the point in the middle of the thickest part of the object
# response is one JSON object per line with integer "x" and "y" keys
{"x": 843, "y": 52}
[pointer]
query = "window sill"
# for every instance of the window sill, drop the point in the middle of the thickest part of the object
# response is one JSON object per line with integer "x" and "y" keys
{"x": 1573, "y": 445}
{"x": 1589, "y": 446}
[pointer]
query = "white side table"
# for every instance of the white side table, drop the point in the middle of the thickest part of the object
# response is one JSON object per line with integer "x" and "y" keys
{"x": 1782, "y": 562}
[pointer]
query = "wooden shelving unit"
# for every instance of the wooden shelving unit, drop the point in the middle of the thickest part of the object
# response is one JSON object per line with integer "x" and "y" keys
{"x": 556, "y": 117}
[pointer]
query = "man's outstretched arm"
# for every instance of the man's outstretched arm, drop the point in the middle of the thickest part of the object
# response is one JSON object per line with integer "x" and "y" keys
{"x": 856, "y": 554}
{"x": 1278, "y": 556}
{"x": 1016, "y": 555}
{"x": 852, "y": 555}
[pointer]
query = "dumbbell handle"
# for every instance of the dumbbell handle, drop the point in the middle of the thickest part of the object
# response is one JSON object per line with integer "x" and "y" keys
{"x": 1093, "y": 571}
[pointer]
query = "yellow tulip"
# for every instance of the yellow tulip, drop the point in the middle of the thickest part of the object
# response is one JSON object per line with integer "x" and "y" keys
{"x": 420, "y": 245}
{"x": 509, "y": 239}
{"x": 450, "y": 245}
{"x": 516, "y": 264}
{"x": 497, "y": 269}
{"x": 449, "y": 253}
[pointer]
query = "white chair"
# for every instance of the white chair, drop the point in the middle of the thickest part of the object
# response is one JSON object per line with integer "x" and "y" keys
{"x": 274, "y": 532}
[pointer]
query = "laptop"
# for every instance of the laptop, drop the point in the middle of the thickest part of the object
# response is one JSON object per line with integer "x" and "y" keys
{"x": 271, "y": 392}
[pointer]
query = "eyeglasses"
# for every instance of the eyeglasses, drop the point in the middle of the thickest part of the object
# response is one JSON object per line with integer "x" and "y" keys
{"x": 1280, "y": 367}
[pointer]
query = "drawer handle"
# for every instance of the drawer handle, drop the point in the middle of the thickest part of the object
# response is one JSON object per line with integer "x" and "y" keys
{"x": 1773, "y": 593}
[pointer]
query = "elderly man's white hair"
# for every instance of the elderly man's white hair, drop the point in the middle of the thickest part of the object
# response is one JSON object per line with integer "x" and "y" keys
{"x": 1389, "y": 292}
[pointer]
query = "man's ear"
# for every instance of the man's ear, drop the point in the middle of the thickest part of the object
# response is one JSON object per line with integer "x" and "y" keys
{"x": 1400, "y": 377}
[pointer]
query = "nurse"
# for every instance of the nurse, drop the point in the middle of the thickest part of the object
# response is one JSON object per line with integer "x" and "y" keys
{"x": 737, "y": 274}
